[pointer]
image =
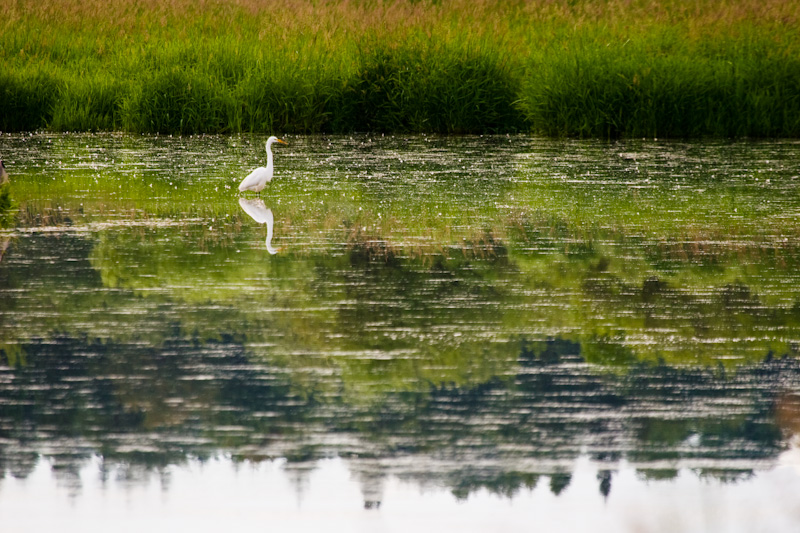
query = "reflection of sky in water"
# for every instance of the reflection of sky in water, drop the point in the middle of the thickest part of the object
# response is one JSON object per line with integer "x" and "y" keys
{"x": 218, "y": 495}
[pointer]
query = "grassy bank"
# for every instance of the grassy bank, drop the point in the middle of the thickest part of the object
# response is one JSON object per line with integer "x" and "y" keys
{"x": 600, "y": 68}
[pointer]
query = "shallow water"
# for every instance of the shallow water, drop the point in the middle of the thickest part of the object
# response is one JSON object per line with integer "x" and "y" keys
{"x": 494, "y": 324}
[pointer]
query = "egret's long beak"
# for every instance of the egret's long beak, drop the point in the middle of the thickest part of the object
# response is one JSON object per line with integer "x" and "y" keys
{"x": 282, "y": 142}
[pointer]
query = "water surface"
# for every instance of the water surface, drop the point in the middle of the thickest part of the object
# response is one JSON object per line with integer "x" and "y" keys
{"x": 494, "y": 324}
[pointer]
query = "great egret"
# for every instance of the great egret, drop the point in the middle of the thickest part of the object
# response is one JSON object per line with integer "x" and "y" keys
{"x": 3, "y": 173}
{"x": 257, "y": 179}
{"x": 259, "y": 212}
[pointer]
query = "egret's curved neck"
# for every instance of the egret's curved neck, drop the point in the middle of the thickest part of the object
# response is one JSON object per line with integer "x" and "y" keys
{"x": 269, "y": 154}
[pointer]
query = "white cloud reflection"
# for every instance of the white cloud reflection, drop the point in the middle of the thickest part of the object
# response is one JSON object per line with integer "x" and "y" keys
{"x": 329, "y": 496}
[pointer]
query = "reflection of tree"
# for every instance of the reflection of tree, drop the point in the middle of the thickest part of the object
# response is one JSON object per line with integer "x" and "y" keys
{"x": 604, "y": 477}
{"x": 156, "y": 406}
{"x": 183, "y": 362}
{"x": 299, "y": 473}
{"x": 623, "y": 302}
{"x": 653, "y": 474}
{"x": 559, "y": 482}
{"x": 496, "y": 481}
{"x": 371, "y": 476}
{"x": 146, "y": 405}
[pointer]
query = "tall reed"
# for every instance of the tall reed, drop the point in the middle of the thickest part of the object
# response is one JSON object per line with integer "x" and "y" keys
{"x": 636, "y": 89}
{"x": 599, "y": 68}
{"x": 28, "y": 97}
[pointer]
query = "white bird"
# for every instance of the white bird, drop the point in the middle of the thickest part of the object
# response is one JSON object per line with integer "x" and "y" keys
{"x": 259, "y": 212}
{"x": 257, "y": 179}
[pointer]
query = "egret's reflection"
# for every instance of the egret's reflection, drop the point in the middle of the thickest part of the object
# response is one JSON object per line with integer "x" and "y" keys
{"x": 259, "y": 212}
{"x": 4, "y": 244}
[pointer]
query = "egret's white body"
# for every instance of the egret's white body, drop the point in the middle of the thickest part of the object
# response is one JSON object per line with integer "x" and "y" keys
{"x": 261, "y": 214}
{"x": 3, "y": 173}
{"x": 257, "y": 179}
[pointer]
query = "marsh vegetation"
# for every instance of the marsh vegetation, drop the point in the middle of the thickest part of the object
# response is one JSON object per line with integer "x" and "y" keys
{"x": 600, "y": 68}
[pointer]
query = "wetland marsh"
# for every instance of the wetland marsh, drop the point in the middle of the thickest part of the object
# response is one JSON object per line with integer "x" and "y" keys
{"x": 447, "y": 326}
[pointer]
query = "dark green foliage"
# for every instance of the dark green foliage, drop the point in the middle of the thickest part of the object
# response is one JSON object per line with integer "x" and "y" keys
{"x": 407, "y": 89}
{"x": 660, "y": 87}
{"x": 265, "y": 103}
{"x": 606, "y": 95}
{"x": 27, "y": 98}
{"x": 444, "y": 91}
{"x": 89, "y": 105}
{"x": 177, "y": 100}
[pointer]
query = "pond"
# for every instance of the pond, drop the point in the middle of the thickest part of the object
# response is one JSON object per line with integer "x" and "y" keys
{"x": 488, "y": 333}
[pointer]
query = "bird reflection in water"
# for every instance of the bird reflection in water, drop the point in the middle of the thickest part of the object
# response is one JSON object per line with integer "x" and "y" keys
{"x": 259, "y": 212}
{"x": 3, "y": 174}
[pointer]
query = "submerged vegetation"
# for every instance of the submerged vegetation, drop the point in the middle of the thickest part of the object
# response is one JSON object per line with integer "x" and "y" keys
{"x": 599, "y": 68}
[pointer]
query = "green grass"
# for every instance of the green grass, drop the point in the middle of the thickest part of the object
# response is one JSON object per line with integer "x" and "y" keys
{"x": 28, "y": 97}
{"x": 589, "y": 69}
{"x": 633, "y": 90}
{"x": 427, "y": 89}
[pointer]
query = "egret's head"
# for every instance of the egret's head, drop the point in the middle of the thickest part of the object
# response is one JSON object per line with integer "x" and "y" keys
{"x": 274, "y": 139}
